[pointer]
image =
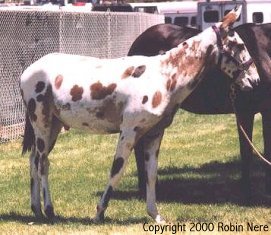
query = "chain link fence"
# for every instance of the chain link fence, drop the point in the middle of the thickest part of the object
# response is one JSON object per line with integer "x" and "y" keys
{"x": 28, "y": 34}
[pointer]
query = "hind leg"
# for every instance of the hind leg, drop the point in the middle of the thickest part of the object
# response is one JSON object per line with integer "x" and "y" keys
{"x": 39, "y": 170}
{"x": 35, "y": 185}
{"x": 45, "y": 128}
{"x": 44, "y": 166}
{"x": 39, "y": 167}
{"x": 151, "y": 151}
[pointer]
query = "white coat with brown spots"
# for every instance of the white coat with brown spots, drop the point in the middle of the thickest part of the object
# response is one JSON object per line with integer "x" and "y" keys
{"x": 130, "y": 95}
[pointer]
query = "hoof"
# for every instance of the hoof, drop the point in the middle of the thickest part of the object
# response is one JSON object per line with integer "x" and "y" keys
{"x": 49, "y": 212}
{"x": 99, "y": 219}
{"x": 37, "y": 212}
{"x": 160, "y": 220}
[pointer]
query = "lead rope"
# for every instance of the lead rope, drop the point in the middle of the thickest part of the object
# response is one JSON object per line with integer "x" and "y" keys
{"x": 232, "y": 98}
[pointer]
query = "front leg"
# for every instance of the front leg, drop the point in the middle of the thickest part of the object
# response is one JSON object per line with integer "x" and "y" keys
{"x": 246, "y": 121}
{"x": 124, "y": 148}
{"x": 151, "y": 151}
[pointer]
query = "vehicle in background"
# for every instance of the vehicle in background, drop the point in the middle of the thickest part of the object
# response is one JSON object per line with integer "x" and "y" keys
{"x": 179, "y": 13}
{"x": 198, "y": 14}
{"x": 253, "y": 11}
{"x": 115, "y": 7}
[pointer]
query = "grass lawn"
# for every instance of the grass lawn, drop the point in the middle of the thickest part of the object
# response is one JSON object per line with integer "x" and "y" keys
{"x": 199, "y": 171}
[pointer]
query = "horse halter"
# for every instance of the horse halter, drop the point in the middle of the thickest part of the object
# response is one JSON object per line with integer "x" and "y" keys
{"x": 241, "y": 66}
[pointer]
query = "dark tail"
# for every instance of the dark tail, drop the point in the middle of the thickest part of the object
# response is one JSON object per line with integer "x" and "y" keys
{"x": 29, "y": 136}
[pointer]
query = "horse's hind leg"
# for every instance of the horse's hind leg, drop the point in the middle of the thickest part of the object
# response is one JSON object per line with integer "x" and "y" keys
{"x": 39, "y": 169}
{"x": 46, "y": 129}
{"x": 45, "y": 137}
{"x": 35, "y": 184}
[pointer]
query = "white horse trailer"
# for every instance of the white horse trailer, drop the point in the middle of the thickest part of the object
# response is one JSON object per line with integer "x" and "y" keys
{"x": 253, "y": 11}
{"x": 179, "y": 13}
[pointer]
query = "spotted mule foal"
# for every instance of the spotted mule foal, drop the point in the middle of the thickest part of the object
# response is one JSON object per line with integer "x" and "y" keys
{"x": 130, "y": 95}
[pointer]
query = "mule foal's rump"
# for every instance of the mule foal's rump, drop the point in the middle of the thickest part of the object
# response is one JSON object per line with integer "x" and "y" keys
{"x": 130, "y": 95}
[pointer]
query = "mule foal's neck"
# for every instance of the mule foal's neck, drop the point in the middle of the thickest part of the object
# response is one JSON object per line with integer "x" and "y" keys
{"x": 189, "y": 58}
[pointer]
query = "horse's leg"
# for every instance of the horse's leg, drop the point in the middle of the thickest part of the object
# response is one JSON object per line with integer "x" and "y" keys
{"x": 56, "y": 127}
{"x": 35, "y": 184}
{"x": 246, "y": 120}
{"x": 266, "y": 120}
{"x": 46, "y": 129}
{"x": 125, "y": 146}
{"x": 40, "y": 163}
{"x": 152, "y": 146}
{"x": 139, "y": 155}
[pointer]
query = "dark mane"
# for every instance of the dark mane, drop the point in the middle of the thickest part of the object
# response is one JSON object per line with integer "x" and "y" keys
{"x": 258, "y": 41}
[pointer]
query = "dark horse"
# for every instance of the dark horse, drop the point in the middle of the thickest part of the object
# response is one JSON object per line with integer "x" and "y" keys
{"x": 207, "y": 100}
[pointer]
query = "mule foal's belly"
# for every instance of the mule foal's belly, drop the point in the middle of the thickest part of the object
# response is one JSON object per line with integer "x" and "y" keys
{"x": 101, "y": 119}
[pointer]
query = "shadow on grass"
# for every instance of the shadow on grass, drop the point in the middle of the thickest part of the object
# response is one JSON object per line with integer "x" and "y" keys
{"x": 31, "y": 220}
{"x": 214, "y": 182}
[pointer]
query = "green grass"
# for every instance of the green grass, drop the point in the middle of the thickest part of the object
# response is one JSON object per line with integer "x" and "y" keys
{"x": 199, "y": 171}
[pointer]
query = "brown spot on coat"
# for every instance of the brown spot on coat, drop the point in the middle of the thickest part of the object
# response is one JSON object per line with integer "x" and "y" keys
{"x": 145, "y": 99}
{"x": 128, "y": 72}
{"x": 134, "y": 72}
{"x": 76, "y": 93}
{"x": 139, "y": 71}
{"x": 156, "y": 99}
{"x": 40, "y": 87}
{"x": 58, "y": 81}
{"x": 185, "y": 45}
{"x": 98, "y": 91}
